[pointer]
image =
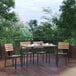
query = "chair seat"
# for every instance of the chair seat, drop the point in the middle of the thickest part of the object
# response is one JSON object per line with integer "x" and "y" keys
{"x": 28, "y": 53}
{"x": 15, "y": 56}
{"x": 41, "y": 52}
{"x": 62, "y": 53}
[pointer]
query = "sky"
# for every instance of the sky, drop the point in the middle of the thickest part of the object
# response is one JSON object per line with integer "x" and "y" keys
{"x": 32, "y": 9}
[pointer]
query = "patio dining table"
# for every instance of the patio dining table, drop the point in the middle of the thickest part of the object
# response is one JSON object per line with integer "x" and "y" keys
{"x": 47, "y": 47}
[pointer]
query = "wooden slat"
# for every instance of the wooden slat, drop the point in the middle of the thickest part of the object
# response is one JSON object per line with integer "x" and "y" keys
{"x": 9, "y": 47}
{"x": 63, "y": 45}
{"x": 24, "y": 44}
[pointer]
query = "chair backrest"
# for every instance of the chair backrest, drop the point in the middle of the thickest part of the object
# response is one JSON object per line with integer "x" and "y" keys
{"x": 8, "y": 47}
{"x": 23, "y": 45}
{"x": 38, "y": 42}
{"x": 63, "y": 45}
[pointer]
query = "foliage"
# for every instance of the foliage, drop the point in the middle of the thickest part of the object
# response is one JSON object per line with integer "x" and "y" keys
{"x": 33, "y": 24}
{"x": 72, "y": 41}
{"x": 10, "y": 32}
{"x": 67, "y": 20}
{"x": 62, "y": 27}
{"x": 24, "y": 30}
{"x": 6, "y": 7}
{"x": 47, "y": 17}
{"x": 44, "y": 32}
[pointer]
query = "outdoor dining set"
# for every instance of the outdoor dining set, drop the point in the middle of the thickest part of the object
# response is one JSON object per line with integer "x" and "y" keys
{"x": 36, "y": 51}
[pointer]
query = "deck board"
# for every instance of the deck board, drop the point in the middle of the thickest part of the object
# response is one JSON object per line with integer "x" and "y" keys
{"x": 42, "y": 69}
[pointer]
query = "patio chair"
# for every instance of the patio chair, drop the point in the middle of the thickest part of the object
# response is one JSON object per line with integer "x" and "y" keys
{"x": 63, "y": 50}
{"x": 10, "y": 54}
{"x": 25, "y": 51}
{"x": 39, "y": 50}
{"x": 50, "y": 51}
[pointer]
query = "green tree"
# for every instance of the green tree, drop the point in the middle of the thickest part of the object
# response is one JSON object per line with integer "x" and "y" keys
{"x": 33, "y": 24}
{"x": 33, "y": 27}
{"x": 9, "y": 31}
{"x": 43, "y": 32}
{"x": 67, "y": 20}
{"x": 24, "y": 30}
{"x": 6, "y": 7}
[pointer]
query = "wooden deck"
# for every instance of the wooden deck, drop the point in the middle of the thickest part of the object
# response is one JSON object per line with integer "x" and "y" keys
{"x": 42, "y": 69}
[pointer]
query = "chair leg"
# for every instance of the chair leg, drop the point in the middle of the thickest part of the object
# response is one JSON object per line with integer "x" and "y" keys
{"x": 5, "y": 62}
{"x": 66, "y": 60}
{"x": 46, "y": 57}
{"x": 15, "y": 62}
{"x": 27, "y": 59}
{"x": 24, "y": 59}
{"x": 33, "y": 58}
{"x": 49, "y": 58}
{"x": 37, "y": 59}
{"x": 12, "y": 61}
{"x": 57, "y": 60}
{"x": 43, "y": 57}
{"x": 30, "y": 57}
{"x": 21, "y": 60}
